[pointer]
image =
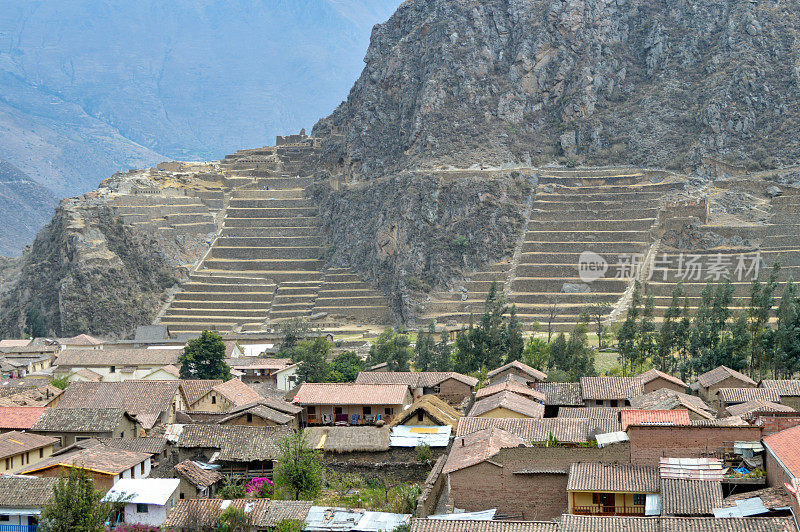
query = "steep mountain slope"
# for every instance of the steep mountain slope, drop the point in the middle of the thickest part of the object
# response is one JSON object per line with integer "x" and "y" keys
{"x": 92, "y": 87}
{"x": 656, "y": 82}
{"x": 25, "y": 206}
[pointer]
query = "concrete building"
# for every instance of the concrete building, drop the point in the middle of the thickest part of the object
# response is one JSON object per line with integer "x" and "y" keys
{"x": 148, "y": 501}
{"x": 21, "y": 449}
{"x": 351, "y": 403}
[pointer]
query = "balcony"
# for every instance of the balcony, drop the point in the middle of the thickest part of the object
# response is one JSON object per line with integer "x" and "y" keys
{"x": 18, "y": 528}
{"x": 630, "y": 511}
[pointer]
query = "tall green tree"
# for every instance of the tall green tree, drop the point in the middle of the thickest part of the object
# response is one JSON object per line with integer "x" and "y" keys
{"x": 312, "y": 355}
{"x": 204, "y": 358}
{"x": 785, "y": 340}
{"x": 626, "y": 336}
{"x": 442, "y": 355}
{"x": 425, "y": 348}
{"x": 513, "y": 339}
{"x": 299, "y": 471}
{"x": 667, "y": 339}
{"x": 393, "y": 348}
{"x": 762, "y": 301}
{"x": 76, "y": 505}
{"x": 596, "y": 313}
{"x": 345, "y": 367}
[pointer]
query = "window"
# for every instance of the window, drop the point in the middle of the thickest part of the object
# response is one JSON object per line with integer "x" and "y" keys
{"x": 639, "y": 499}
{"x": 337, "y": 410}
{"x": 141, "y": 508}
{"x": 595, "y": 498}
{"x": 598, "y": 402}
{"x": 182, "y": 496}
{"x": 367, "y": 410}
{"x": 5, "y": 518}
{"x": 113, "y": 369}
{"x": 388, "y": 411}
{"x": 420, "y": 415}
{"x": 41, "y": 452}
{"x": 142, "y": 468}
{"x": 7, "y": 466}
{"x": 249, "y": 417}
{"x": 312, "y": 410}
{"x": 213, "y": 399}
{"x": 613, "y": 402}
{"x": 122, "y": 434}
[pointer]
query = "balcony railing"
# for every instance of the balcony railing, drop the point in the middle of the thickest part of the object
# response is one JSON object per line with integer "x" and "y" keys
{"x": 18, "y": 528}
{"x": 609, "y": 510}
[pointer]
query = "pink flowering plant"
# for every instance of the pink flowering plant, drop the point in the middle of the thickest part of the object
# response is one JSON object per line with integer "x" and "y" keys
{"x": 260, "y": 488}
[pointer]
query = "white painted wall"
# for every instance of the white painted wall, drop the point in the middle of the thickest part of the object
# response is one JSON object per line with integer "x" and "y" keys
{"x": 283, "y": 384}
{"x": 155, "y": 515}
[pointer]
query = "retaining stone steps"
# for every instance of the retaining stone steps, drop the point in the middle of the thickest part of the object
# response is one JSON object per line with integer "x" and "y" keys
{"x": 275, "y": 252}
{"x": 571, "y": 215}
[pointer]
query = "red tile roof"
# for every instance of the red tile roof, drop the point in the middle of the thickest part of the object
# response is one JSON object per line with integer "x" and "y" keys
{"x": 415, "y": 379}
{"x": 19, "y": 417}
{"x": 509, "y": 401}
{"x": 654, "y": 417}
{"x": 237, "y": 392}
{"x": 510, "y": 386}
{"x": 350, "y": 394}
{"x": 98, "y": 458}
{"x": 784, "y": 446}
{"x": 610, "y": 388}
{"x": 477, "y": 447}
{"x": 597, "y": 476}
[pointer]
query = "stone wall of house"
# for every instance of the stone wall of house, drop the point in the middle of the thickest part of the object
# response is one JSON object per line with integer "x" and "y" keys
{"x": 526, "y": 482}
{"x": 431, "y": 490}
{"x": 649, "y": 443}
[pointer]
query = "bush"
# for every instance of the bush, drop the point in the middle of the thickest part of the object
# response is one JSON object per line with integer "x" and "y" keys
{"x": 233, "y": 489}
{"x": 424, "y": 453}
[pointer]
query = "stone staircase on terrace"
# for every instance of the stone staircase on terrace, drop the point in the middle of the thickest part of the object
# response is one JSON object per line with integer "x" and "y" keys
{"x": 610, "y": 212}
{"x": 266, "y": 266}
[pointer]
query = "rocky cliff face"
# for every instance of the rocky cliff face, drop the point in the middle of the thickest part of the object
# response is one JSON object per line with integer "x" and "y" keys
{"x": 413, "y": 232}
{"x": 650, "y": 82}
{"x": 86, "y": 271}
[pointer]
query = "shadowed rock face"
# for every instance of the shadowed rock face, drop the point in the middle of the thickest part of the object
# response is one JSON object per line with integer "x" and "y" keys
{"x": 661, "y": 83}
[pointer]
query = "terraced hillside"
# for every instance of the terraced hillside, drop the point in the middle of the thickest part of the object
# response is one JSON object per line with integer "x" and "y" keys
{"x": 738, "y": 249}
{"x": 610, "y": 212}
{"x": 266, "y": 265}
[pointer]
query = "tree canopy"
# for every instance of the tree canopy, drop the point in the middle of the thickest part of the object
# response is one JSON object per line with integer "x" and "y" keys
{"x": 204, "y": 358}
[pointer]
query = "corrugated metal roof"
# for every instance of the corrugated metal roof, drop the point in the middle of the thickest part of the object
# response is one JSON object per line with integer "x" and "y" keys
{"x": 412, "y": 436}
{"x": 709, "y": 469}
{"x": 323, "y": 518}
{"x": 611, "y": 437}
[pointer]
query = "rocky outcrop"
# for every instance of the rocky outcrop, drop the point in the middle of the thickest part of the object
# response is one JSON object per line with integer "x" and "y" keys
{"x": 648, "y": 82}
{"x": 87, "y": 271}
{"x": 413, "y": 232}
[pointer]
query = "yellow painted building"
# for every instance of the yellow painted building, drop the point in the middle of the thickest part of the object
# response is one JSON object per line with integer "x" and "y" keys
{"x": 596, "y": 488}
{"x": 21, "y": 449}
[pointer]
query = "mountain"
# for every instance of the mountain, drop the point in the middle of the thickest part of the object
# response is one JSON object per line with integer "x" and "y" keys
{"x": 657, "y": 82}
{"x": 25, "y": 206}
{"x": 90, "y": 87}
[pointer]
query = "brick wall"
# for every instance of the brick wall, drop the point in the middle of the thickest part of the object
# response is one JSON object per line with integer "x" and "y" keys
{"x": 772, "y": 423}
{"x": 659, "y": 383}
{"x": 453, "y": 391}
{"x": 431, "y": 490}
{"x": 649, "y": 443}
{"x": 539, "y": 495}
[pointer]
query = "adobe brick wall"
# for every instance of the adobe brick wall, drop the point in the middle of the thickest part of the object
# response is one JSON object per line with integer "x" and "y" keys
{"x": 772, "y": 423}
{"x": 710, "y": 395}
{"x": 539, "y": 496}
{"x": 453, "y": 391}
{"x": 649, "y": 443}
{"x": 659, "y": 383}
{"x": 776, "y": 475}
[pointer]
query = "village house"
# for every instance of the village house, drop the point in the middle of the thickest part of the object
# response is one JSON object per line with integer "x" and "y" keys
{"x": 653, "y": 380}
{"x": 155, "y": 447}
{"x": 447, "y": 385}
{"x": 149, "y": 402}
{"x": 264, "y": 413}
{"x": 720, "y": 377}
{"x": 351, "y": 403}
{"x": 428, "y": 410}
{"x": 20, "y": 449}
{"x": 666, "y": 399}
{"x": 166, "y": 373}
{"x": 596, "y": 488}
{"x": 190, "y": 515}
{"x": 518, "y": 369}
{"x": 240, "y": 451}
{"x": 558, "y": 395}
{"x": 587, "y": 523}
{"x": 507, "y": 405}
{"x": 27, "y": 360}
{"x": 19, "y": 417}
{"x": 522, "y": 473}
{"x": 788, "y": 391}
{"x": 727, "y": 397}
{"x": 513, "y": 385}
{"x": 690, "y": 487}
{"x": 610, "y": 391}
{"x": 31, "y": 392}
{"x": 104, "y": 465}
{"x": 756, "y": 406}
{"x": 147, "y": 501}
{"x": 782, "y": 456}
{"x": 197, "y": 480}
{"x": 115, "y": 364}
{"x": 81, "y": 341}
{"x": 71, "y": 425}
{"x": 217, "y": 395}
{"x": 277, "y": 373}
{"x": 668, "y": 418}
{"x": 21, "y": 501}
